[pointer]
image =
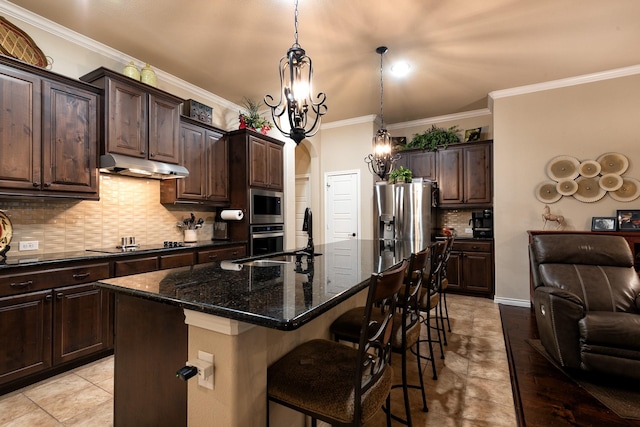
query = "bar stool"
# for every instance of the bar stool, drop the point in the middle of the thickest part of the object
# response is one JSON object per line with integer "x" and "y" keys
{"x": 429, "y": 301}
{"x": 444, "y": 284}
{"x": 406, "y": 328}
{"x": 337, "y": 383}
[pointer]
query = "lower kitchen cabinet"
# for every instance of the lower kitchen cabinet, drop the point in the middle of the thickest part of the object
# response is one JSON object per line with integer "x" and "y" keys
{"x": 47, "y": 329}
{"x": 470, "y": 268}
{"x": 229, "y": 252}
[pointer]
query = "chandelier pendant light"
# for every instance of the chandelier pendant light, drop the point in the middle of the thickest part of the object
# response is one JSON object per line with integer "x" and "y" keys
{"x": 303, "y": 111}
{"x": 381, "y": 161}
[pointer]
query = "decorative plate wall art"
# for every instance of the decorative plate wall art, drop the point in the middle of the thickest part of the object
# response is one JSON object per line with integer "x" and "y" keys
{"x": 588, "y": 180}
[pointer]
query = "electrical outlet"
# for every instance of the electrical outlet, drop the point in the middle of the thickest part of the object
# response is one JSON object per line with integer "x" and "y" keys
{"x": 206, "y": 378}
{"x": 31, "y": 245}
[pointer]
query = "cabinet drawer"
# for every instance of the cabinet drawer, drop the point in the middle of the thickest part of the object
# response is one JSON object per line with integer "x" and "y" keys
{"x": 134, "y": 266}
{"x": 11, "y": 284}
{"x": 176, "y": 260}
{"x": 472, "y": 246}
{"x": 209, "y": 255}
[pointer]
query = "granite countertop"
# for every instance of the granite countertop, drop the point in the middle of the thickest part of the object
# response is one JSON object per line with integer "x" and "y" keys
{"x": 25, "y": 259}
{"x": 281, "y": 296}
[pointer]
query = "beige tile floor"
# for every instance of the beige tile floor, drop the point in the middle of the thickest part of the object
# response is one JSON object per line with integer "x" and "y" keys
{"x": 472, "y": 389}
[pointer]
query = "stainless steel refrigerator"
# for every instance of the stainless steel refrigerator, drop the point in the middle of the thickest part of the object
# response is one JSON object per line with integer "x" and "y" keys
{"x": 404, "y": 219}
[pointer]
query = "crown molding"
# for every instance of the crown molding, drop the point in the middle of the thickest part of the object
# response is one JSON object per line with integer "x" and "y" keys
{"x": 439, "y": 119}
{"x": 561, "y": 83}
{"x": 348, "y": 122}
{"x": 71, "y": 36}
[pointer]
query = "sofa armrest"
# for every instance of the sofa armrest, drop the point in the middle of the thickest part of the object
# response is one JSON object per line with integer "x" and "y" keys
{"x": 557, "y": 316}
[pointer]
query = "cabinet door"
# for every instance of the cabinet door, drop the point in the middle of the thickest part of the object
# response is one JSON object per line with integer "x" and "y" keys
{"x": 25, "y": 328}
{"x": 477, "y": 272}
{"x": 258, "y": 172}
{"x": 477, "y": 174}
{"x": 218, "y": 167}
{"x": 421, "y": 163}
{"x": 69, "y": 139}
{"x": 450, "y": 176}
{"x": 275, "y": 178}
{"x": 193, "y": 143}
{"x": 127, "y": 115}
{"x": 80, "y": 322}
{"x": 454, "y": 273}
{"x": 20, "y": 137}
{"x": 164, "y": 129}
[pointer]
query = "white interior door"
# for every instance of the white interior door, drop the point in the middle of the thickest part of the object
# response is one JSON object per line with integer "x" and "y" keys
{"x": 342, "y": 205}
{"x": 303, "y": 201}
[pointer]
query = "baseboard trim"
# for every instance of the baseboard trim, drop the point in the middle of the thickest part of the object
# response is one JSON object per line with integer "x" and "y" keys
{"x": 512, "y": 301}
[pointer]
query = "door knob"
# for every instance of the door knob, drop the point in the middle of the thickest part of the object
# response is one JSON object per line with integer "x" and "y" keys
{"x": 353, "y": 234}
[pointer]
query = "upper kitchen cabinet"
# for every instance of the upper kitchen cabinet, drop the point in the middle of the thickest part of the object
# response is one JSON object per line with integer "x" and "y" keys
{"x": 204, "y": 151}
{"x": 48, "y": 133}
{"x": 139, "y": 120}
{"x": 465, "y": 175}
{"x": 260, "y": 158}
{"x": 421, "y": 162}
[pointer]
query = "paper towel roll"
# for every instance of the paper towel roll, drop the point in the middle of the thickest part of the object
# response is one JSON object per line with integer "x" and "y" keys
{"x": 230, "y": 266}
{"x": 232, "y": 215}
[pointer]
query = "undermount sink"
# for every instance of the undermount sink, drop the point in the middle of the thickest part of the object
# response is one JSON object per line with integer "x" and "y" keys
{"x": 276, "y": 260}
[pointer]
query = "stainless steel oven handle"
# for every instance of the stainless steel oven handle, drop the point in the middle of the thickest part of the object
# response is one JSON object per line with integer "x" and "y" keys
{"x": 259, "y": 235}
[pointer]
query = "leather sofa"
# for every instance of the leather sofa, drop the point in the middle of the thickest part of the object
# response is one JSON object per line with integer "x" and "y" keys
{"x": 587, "y": 302}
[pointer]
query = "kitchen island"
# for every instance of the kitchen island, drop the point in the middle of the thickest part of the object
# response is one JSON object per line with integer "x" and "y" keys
{"x": 246, "y": 316}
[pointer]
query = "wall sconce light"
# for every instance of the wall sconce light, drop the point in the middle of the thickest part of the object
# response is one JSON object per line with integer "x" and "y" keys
{"x": 381, "y": 161}
{"x": 296, "y": 100}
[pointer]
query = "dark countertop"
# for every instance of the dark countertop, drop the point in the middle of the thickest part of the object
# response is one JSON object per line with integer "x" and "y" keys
{"x": 25, "y": 259}
{"x": 276, "y": 296}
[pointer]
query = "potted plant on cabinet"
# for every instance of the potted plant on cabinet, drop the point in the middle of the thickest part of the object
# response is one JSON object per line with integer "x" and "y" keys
{"x": 434, "y": 138}
{"x": 400, "y": 175}
{"x": 252, "y": 119}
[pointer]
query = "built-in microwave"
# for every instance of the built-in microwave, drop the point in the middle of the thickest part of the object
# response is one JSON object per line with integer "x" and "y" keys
{"x": 265, "y": 206}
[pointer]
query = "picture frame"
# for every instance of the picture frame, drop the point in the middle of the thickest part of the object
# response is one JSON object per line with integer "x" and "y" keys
{"x": 628, "y": 219}
{"x": 604, "y": 223}
{"x": 398, "y": 143}
{"x": 472, "y": 134}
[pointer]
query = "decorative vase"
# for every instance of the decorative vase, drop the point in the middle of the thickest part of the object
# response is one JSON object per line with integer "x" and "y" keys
{"x": 148, "y": 76}
{"x": 130, "y": 70}
{"x": 190, "y": 236}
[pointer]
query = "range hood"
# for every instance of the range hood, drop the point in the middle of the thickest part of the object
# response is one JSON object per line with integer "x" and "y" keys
{"x": 141, "y": 168}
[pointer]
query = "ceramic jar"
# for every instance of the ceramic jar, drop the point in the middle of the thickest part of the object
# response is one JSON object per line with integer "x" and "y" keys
{"x": 148, "y": 76}
{"x": 190, "y": 236}
{"x": 130, "y": 70}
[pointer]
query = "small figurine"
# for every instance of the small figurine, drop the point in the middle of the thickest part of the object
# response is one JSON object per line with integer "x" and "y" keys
{"x": 548, "y": 216}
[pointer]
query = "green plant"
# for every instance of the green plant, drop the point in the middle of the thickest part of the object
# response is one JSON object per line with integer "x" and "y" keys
{"x": 434, "y": 138}
{"x": 404, "y": 173}
{"x": 252, "y": 118}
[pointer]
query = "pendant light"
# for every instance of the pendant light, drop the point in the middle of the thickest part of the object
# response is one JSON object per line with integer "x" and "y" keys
{"x": 302, "y": 109}
{"x": 381, "y": 161}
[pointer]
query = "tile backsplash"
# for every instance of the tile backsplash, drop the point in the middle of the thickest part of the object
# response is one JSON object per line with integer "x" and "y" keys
{"x": 458, "y": 219}
{"x": 127, "y": 207}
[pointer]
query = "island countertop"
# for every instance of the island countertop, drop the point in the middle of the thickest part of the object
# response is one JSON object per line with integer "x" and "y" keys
{"x": 281, "y": 296}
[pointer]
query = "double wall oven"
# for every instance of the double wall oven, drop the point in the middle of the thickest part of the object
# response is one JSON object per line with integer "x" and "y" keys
{"x": 266, "y": 219}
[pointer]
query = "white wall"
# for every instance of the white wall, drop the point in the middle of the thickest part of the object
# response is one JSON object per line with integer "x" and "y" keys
{"x": 583, "y": 121}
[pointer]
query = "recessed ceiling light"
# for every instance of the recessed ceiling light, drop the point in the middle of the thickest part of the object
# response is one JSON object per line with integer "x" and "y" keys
{"x": 400, "y": 69}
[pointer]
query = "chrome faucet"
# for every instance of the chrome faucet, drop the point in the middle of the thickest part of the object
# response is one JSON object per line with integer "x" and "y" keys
{"x": 307, "y": 225}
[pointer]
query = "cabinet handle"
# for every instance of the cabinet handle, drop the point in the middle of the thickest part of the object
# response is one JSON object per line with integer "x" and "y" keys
{"x": 36, "y": 184}
{"x": 152, "y": 154}
{"x": 22, "y": 285}
{"x": 46, "y": 184}
{"x": 59, "y": 295}
{"x": 143, "y": 152}
{"x": 234, "y": 253}
{"x": 475, "y": 247}
{"x": 48, "y": 297}
{"x": 81, "y": 276}
{"x": 213, "y": 256}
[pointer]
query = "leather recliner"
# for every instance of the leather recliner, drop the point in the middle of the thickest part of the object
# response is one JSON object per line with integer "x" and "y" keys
{"x": 587, "y": 302}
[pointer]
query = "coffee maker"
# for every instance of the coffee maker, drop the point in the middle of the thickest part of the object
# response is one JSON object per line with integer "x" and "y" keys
{"x": 482, "y": 223}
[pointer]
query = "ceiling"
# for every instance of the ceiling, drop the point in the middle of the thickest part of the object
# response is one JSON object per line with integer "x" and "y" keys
{"x": 459, "y": 50}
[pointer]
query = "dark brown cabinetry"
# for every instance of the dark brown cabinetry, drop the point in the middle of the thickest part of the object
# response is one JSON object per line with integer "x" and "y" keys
{"x": 260, "y": 158}
{"x": 422, "y": 163}
{"x": 470, "y": 268}
{"x": 139, "y": 120}
{"x": 204, "y": 151}
{"x": 44, "y": 330}
{"x": 465, "y": 175}
{"x": 48, "y": 134}
{"x": 229, "y": 252}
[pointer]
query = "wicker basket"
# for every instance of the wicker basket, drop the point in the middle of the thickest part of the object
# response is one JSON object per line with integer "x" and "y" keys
{"x": 16, "y": 43}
